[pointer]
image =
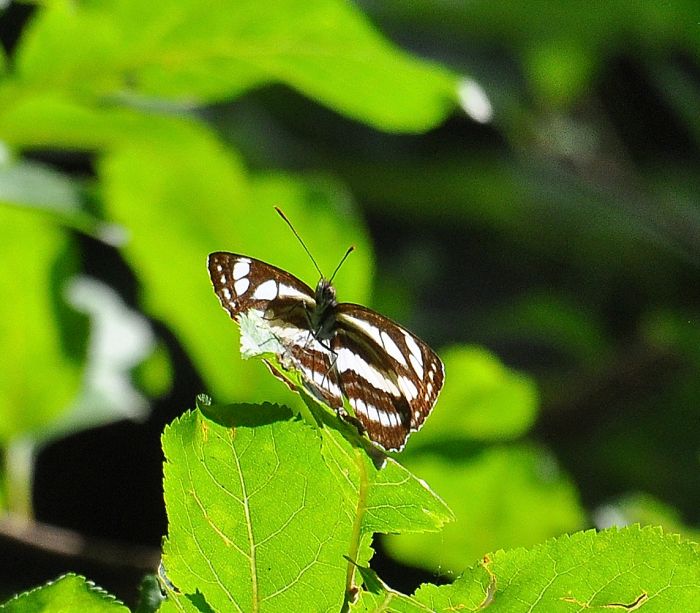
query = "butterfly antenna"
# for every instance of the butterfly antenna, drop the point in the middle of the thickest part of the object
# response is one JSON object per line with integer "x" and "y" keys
{"x": 345, "y": 257}
{"x": 289, "y": 223}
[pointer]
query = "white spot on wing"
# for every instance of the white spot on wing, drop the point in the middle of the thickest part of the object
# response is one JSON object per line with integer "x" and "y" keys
{"x": 347, "y": 360}
{"x": 365, "y": 326}
{"x": 266, "y": 290}
{"x": 392, "y": 348}
{"x": 385, "y": 418}
{"x": 413, "y": 347}
{"x": 241, "y": 286}
{"x": 241, "y": 269}
{"x": 287, "y": 291}
{"x": 378, "y": 336}
{"x": 222, "y": 278}
{"x": 226, "y": 293}
{"x": 322, "y": 380}
{"x": 417, "y": 365}
{"x": 372, "y": 413}
{"x": 408, "y": 388}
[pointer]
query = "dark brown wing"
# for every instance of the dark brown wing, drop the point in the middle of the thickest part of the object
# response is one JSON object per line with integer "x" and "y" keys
{"x": 391, "y": 378}
{"x": 284, "y": 303}
{"x": 244, "y": 283}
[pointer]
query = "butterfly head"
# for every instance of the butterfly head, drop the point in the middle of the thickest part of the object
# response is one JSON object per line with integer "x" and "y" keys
{"x": 325, "y": 294}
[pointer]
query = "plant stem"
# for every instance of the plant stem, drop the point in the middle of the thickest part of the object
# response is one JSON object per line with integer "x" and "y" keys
{"x": 19, "y": 470}
{"x": 356, "y": 535}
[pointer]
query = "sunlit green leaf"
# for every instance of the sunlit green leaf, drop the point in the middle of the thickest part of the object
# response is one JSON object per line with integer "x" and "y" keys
{"x": 628, "y": 569}
{"x": 392, "y": 500}
{"x": 502, "y": 496}
{"x": 265, "y": 512}
{"x": 67, "y": 594}
{"x": 241, "y": 501}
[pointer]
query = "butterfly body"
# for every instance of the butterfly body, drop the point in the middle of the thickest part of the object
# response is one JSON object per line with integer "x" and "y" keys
{"x": 390, "y": 378}
{"x": 323, "y": 314}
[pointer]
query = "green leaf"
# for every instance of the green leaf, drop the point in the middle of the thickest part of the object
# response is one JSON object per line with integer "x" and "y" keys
{"x": 629, "y": 569}
{"x": 45, "y": 337}
{"x": 211, "y": 204}
{"x": 398, "y": 502}
{"x": 57, "y": 119}
{"x": 326, "y": 49}
{"x": 255, "y": 519}
{"x": 502, "y": 496}
{"x": 263, "y": 511}
{"x": 390, "y": 498}
{"x": 481, "y": 400}
{"x": 561, "y": 323}
{"x": 378, "y": 597}
{"x": 67, "y": 594}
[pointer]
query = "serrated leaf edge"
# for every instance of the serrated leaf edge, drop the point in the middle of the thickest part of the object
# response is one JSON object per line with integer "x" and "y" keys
{"x": 91, "y": 585}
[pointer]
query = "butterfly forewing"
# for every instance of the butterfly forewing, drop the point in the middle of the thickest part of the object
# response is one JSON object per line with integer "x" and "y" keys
{"x": 243, "y": 283}
{"x": 390, "y": 378}
{"x": 284, "y": 303}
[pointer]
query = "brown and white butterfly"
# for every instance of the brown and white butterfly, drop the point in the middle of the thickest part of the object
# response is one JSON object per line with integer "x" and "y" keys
{"x": 389, "y": 376}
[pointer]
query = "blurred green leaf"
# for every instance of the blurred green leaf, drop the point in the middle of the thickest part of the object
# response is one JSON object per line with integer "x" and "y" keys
{"x": 481, "y": 400}
{"x": 504, "y": 496}
{"x": 560, "y": 70}
{"x": 211, "y": 204}
{"x": 646, "y": 510}
{"x": 67, "y": 594}
{"x": 35, "y": 186}
{"x": 554, "y": 320}
{"x": 155, "y": 374}
{"x": 57, "y": 119}
{"x": 597, "y": 37}
{"x": 324, "y": 48}
{"x": 626, "y": 569}
{"x": 673, "y": 331}
{"x": 43, "y": 336}
{"x": 120, "y": 339}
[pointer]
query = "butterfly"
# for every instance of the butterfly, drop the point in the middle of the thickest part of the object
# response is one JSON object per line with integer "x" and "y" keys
{"x": 390, "y": 378}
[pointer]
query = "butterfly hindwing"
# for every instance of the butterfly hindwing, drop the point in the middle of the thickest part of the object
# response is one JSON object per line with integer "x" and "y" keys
{"x": 391, "y": 377}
